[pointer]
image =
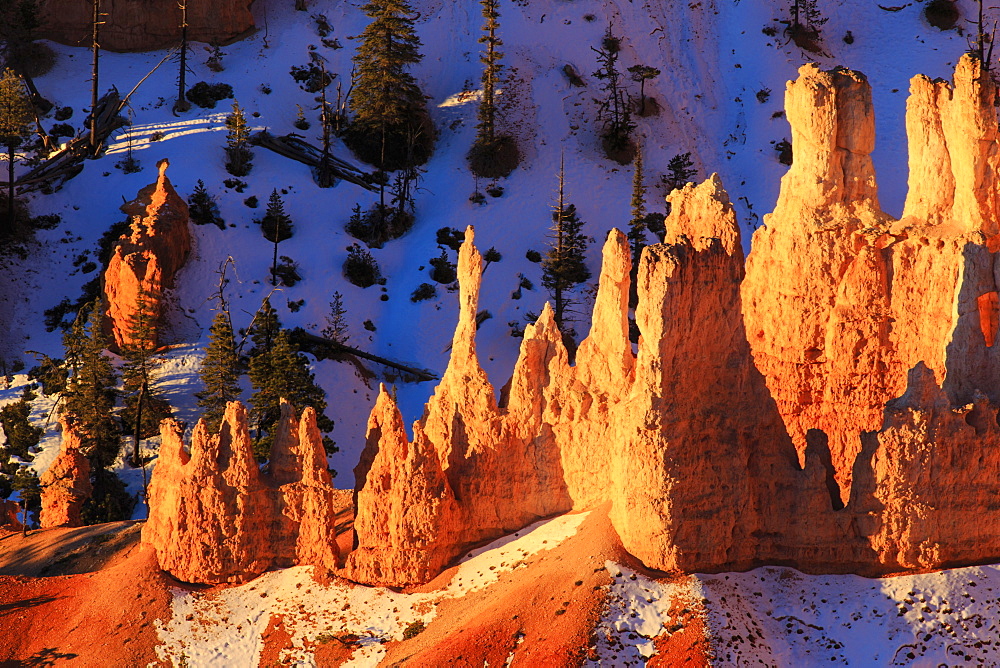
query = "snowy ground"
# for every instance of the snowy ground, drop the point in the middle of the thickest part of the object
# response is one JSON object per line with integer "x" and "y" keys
{"x": 225, "y": 628}
{"x": 780, "y": 617}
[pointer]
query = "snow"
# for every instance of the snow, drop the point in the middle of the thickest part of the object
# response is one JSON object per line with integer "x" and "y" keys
{"x": 226, "y": 627}
{"x": 780, "y": 617}
{"x": 639, "y": 609}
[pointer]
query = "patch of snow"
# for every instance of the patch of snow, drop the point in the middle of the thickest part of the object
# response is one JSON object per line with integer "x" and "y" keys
{"x": 226, "y": 627}
{"x": 638, "y": 611}
{"x": 778, "y": 616}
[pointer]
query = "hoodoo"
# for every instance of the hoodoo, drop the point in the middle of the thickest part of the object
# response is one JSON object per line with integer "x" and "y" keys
{"x": 146, "y": 261}
{"x": 830, "y": 404}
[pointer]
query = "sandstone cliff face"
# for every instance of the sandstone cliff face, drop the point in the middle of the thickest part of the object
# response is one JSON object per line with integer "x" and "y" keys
{"x": 66, "y": 483}
{"x": 141, "y": 25}
{"x": 833, "y": 407}
{"x": 213, "y": 517}
{"x": 841, "y": 300}
{"x": 145, "y": 262}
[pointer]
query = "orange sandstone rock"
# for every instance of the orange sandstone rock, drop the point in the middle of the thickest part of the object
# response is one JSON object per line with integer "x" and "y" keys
{"x": 213, "y": 517}
{"x": 145, "y": 25}
{"x": 66, "y": 483}
{"x": 145, "y": 263}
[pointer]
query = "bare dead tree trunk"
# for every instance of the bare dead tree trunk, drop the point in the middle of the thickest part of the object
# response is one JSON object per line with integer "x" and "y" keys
{"x": 182, "y": 104}
{"x": 95, "y": 45}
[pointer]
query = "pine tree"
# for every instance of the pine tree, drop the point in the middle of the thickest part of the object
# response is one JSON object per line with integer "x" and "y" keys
{"x": 240, "y": 158}
{"x": 389, "y": 108}
{"x": 25, "y": 482}
{"x": 276, "y": 227}
{"x": 90, "y": 393}
{"x": 492, "y": 67}
{"x": 264, "y": 328}
{"x": 219, "y": 371}
{"x": 613, "y": 111}
{"x": 203, "y": 209}
{"x": 637, "y": 225}
{"x": 492, "y": 155}
{"x": 15, "y": 128}
{"x": 21, "y": 434}
{"x": 641, "y": 74}
{"x": 336, "y": 320}
{"x": 563, "y": 266}
{"x": 282, "y": 373}
{"x": 144, "y": 405}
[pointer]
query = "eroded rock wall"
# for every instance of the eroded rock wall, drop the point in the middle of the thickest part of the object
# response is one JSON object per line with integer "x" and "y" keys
{"x": 66, "y": 483}
{"x": 214, "y": 517}
{"x": 146, "y": 261}
{"x": 142, "y": 25}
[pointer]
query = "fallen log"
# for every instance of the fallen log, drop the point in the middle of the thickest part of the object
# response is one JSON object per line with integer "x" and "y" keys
{"x": 311, "y": 342}
{"x": 294, "y": 147}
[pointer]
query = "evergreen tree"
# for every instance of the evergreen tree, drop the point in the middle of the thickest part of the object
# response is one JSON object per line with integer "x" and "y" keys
{"x": 144, "y": 407}
{"x": 90, "y": 393}
{"x": 641, "y": 74}
{"x": 283, "y": 373}
{"x": 613, "y": 110}
{"x": 389, "y": 109}
{"x": 563, "y": 266}
{"x": 219, "y": 371}
{"x": 276, "y": 227}
{"x": 492, "y": 68}
{"x": 203, "y": 209}
{"x": 492, "y": 155}
{"x": 336, "y": 321}
{"x": 264, "y": 328}
{"x": 637, "y": 225}
{"x": 15, "y": 128}
{"x": 25, "y": 482}
{"x": 240, "y": 158}
{"x": 21, "y": 434}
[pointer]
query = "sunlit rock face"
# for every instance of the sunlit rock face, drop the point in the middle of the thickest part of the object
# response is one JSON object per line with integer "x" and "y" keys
{"x": 66, "y": 483}
{"x": 146, "y": 261}
{"x": 143, "y": 25}
{"x": 841, "y": 300}
{"x": 831, "y": 410}
{"x": 828, "y": 404}
{"x": 214, "y": 517}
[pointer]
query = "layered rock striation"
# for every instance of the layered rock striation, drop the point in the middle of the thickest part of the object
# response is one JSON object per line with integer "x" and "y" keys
{"x": 66, "y": 483}
{"x": 146, "y": 261}
{"x": 142, "y": 25}
{"x": 214, "y": 517}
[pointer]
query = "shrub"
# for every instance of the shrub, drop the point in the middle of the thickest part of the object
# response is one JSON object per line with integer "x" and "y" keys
{"x": 62, "y": 130}
{"x": 424, "y": 291}
{"x": 494, "y": 159}
{"x": 311, "y": 78}
{"x": 203, "y": 209}
{"x": 252, "y": 202}
{"x": 443, "y": 269}
{"x": 360, "y": 268}
{"x": 63, "y": 113}
{"x": 287, "y": 271}
{"x": 413, "y": 629}
{"x": 379, "y": 224}
{"x": 533, "y": 256}
{"x": 207, "y": 95}
{"x": 942, "y": 14}
{"x": 450, "y": 237}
